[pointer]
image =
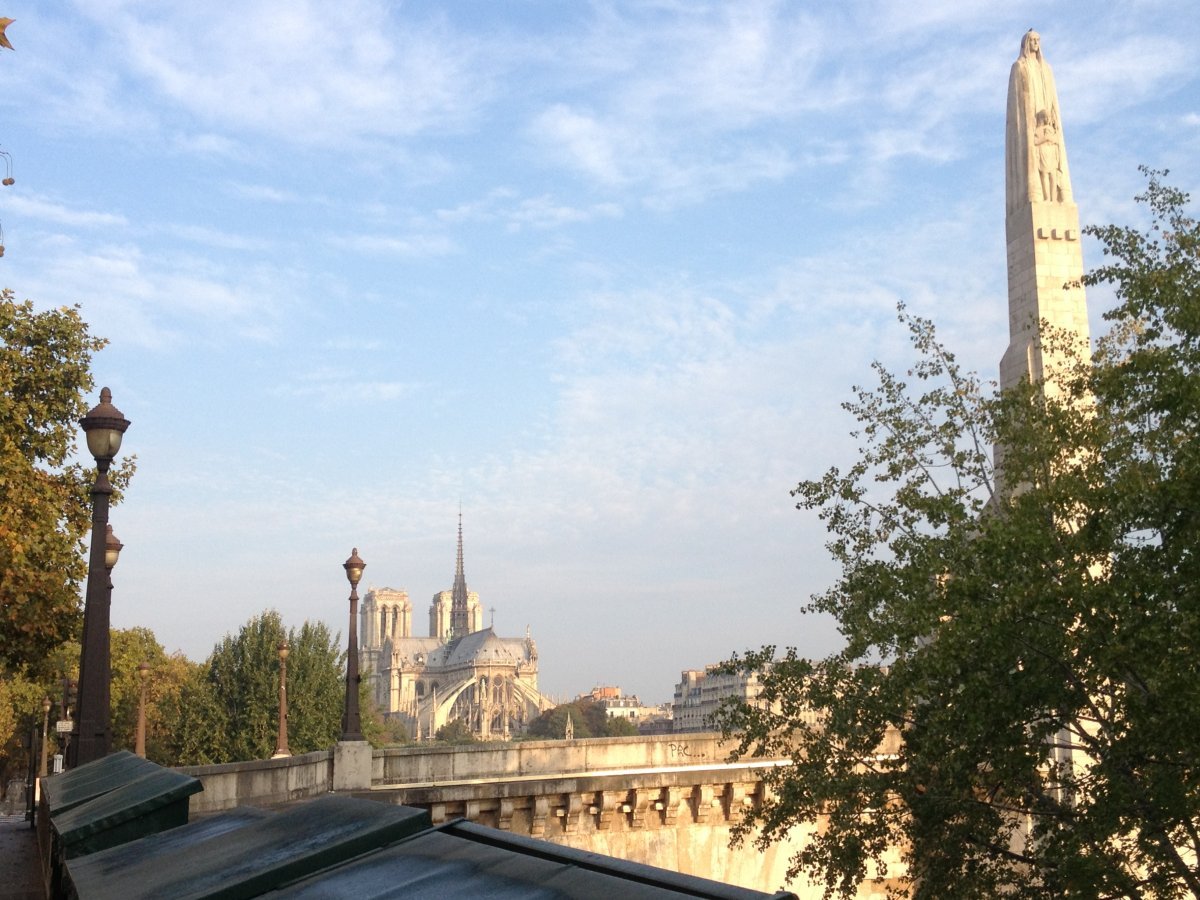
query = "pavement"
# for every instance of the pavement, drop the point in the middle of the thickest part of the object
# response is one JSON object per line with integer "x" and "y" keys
{"x": 20, "y": 871}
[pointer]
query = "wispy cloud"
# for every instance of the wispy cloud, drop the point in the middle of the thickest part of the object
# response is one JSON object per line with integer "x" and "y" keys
{"x": 301, "y": 72}
{"x": 263, "y": 193}
{"x": 225, "y": 240}
{"x": 680, "y": 92}
{"x": 1103, "y": 81}
{"x": 59, "y": 214}
{"x": 333, "y": 387}
{"x": 544, "y": 212}
{"x": 419, "y": 245}
{"x": 159, "y": 301}
{"x": 484, "y": 209}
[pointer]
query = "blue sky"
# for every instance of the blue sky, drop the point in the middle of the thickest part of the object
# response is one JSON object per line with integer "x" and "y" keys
{"x": 600, "y": 272}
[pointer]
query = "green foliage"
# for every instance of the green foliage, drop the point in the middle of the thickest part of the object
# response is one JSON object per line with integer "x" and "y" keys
{"x": 45, "y": 512}
{"x": 316, "y": 689}
{"x": 20, "y": 708}
{"x": 1016, "y": 706}
{"x": 619, "y": 727}
{"x": 376, "y": 728}
{"x": 588, "y": 719}
{"x": 243, "y": 674}
{"x": 194, "y": 726}
{"x": 455, "y": 732}
{"x": 128, "y": 649}
{"x": 391, "y": 733}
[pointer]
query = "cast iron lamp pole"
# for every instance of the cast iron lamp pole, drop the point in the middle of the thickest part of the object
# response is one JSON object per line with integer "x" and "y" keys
{"x": 43, "y": 769}
{"x": 140, "y": 740}
{"x": 351, "y": 723}
{"x": 281, "y": 744}
{"x": 103, "y": 425}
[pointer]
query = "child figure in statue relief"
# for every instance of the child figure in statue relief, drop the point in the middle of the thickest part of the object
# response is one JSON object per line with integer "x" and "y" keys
{"x": 1049, "y": 156}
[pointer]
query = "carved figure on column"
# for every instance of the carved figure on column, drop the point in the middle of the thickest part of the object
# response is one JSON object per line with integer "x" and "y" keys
{"x": 1035, "y": 156}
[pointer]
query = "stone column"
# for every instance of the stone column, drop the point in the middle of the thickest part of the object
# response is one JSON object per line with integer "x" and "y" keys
{"x": 1045, "y": 261}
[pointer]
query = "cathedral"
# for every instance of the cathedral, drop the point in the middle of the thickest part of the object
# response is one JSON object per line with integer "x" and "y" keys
{"x": 462, "y": 671}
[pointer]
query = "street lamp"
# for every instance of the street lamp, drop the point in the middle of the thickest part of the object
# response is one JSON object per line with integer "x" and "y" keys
{"x": 281, "y": 744}
{"x": 140, "y": 742}
{"x": 104, "y": 426}
{"x": 43, "y": 769}
{"x": 351, "y": 723}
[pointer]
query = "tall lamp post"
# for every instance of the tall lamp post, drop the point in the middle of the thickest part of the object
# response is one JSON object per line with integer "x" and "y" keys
{"x": 104, "y": 426}
{"x": 281, "y": 743}
{"x": 351, "y": 723}
{"x": 43, "y": 769}
{"x": 140, "y": 741}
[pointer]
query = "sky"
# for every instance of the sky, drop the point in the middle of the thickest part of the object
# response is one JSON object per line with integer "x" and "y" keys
{"x": 597, "y": 274}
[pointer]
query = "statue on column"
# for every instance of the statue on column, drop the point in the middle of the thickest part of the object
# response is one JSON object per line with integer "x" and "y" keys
{"x": 1035, "y": 157}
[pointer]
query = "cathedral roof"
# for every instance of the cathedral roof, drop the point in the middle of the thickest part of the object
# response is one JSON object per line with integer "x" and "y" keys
{"x": 481, "y": 647}
{"x": 412, "y": 647}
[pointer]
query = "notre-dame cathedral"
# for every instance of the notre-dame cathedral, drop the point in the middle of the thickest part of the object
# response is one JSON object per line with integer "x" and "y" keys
{"x": 462, "y": 671}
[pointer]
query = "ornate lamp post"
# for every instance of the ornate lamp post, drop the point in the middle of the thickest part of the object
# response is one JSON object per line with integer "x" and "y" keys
{"x": 140, "y": 741}
{"x": 43, "y": 769}
{"x": 104, "y": 426}
{"x": 351, "y": 723}
{"x": 281, "y": 744}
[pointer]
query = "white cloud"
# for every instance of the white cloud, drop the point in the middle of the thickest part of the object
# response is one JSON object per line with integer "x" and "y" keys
{"x": 298, "y": 70}
{"x": 332, "y": 387}
{"x": 587, "y": 144}
{"x": 224, "y": 240}
{"x": 420, "y": 245}
{"x": 485, "y": 209}
{"x": 162, "y": 301}
{"x": 1106, "y": 80}
{"x": 544, "y": 212}
{"x": 264, "y": 193}
{"x": 56, "y": 213}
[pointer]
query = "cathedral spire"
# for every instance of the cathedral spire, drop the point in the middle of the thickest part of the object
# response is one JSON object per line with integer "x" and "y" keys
{"x": 459, "y": 613}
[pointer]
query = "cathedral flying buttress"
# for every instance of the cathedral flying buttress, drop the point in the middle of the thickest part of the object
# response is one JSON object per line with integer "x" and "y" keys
{"x": 461, "y": 672}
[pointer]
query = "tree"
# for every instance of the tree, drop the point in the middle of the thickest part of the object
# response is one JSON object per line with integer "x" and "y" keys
{"x": 194, "y": 726}
{"x": 1016, "y": 707}
{"x": 44, "y": 379}
{"x": 316, "y": 688}
{"x": 243, "y": 673}
{"x": 456, "y": 731}
{"x": 588, "y": 719}
{"x": 129, "y": 649}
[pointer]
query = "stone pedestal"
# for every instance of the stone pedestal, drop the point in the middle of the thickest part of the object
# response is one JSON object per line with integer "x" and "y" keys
{"x": 352, "y": 766}
{"x": 1045, "y": 265}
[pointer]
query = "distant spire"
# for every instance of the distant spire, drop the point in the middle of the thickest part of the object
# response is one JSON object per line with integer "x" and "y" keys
{"x": 460, "y": 623}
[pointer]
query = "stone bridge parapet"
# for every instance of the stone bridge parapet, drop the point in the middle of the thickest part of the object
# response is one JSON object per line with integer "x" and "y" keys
{"x": 666, "y": 800}
{"x": 437, "y": 763}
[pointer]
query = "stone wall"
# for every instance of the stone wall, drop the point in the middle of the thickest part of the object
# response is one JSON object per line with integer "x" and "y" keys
{"x": 433, "y": 763}
{"x": 263, "y": 782}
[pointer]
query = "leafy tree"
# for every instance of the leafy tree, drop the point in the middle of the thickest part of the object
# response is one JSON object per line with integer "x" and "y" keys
{"x": 13, "y": 719}
{"x": 616, "y": 726}
{"x": 316, "y": 688}
{"x": 588, "y": 719}
{"x": 391, "y": 733}
{"x": 193, "y": 725}
{"x": 455, "y": 731}
{"x": 45, "y": 512}
{"x": 1016, "y": 707}
{"x": 376, "y": 727}
{"x": 129, "y": 649}
{"x": 243, "y": 672}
